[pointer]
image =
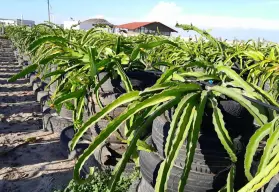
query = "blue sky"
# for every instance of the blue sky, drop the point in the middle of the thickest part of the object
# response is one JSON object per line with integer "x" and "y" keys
{"x": 228, "y": 19}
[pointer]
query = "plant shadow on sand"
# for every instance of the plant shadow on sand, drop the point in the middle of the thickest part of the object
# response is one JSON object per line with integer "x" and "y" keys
{"x": 38, "y": 166}
{"x": 53, "y": 179}
{"x": 16, "y": 89}
{"x": 17, "y": 98}
{"x": 29, "y": 154}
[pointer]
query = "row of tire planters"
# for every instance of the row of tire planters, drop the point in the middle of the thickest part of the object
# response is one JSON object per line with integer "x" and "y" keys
{"x": 59, "y": 123}
{"x": 51, "y": 120}
{"x": 110, "y": 153}
{"x": 107, "y": 156}
{"x": 211, "y": 162}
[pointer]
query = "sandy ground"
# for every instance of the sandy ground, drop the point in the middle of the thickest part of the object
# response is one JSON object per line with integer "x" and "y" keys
{"x": 30, "y": 158}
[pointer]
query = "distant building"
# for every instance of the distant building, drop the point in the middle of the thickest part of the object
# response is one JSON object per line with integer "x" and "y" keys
{"x": 147, "y": 28}
{"x": 87, "y": 24}
{"x": 69, "y": 24}
{"x": 17, "y": 22}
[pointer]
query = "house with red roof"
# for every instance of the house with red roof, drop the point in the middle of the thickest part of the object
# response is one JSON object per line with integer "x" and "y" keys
{"x": 147, "y": 28}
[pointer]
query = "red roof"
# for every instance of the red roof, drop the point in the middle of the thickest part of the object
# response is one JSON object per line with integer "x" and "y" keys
{"x": 135, "y": 25}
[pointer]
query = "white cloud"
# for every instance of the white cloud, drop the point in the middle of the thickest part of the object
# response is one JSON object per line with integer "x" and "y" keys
{"x": 170, "y": 13}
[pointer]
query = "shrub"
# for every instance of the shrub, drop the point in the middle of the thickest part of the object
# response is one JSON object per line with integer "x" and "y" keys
{"x": 99, "y": 181}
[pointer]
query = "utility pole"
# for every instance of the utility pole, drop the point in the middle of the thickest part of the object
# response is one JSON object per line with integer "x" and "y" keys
{"x": 48, "y": 10}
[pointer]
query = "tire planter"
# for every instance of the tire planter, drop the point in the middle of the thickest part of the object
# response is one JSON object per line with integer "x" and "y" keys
{"x": 236, "y": 117}
{"x": 161, "y": 126}
{"x": 209, "y": 168}
{"x": 53, "y": 86}
{"x": 94, "y": 108}
{"x": 108, "y": 155}
{"x": 197, "y": 181}
{"x": 38, "y": 86}
{"x": 54, "y": 123}
{"x": 100, "y": 125}
{"x": 65, "y": 137}
{"x": 111, "y": 90}
{"x": 97, "y": 160}
{"x": 46, "y": 109}
{"x": 42, "y": 96}
{"x": 66, "y": 113}
{"x": 105, "y": 98}
{"x": 139, "y": 80}
{"x": 33, "y": 79}
{"x": 91, "y": 162}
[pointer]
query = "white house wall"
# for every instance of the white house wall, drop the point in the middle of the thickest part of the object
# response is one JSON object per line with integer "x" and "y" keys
{"x": 69, "y": 24}
{"x": 7, "y": 21}
{"x": 17, "y": 22}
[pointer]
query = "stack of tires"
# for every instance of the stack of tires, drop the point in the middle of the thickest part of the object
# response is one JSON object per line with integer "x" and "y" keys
{"x": 211, "y": 162}
{"x": 109, "y": 154}
{"x": 56, "y": 123}
{"x": 111, "y": 151}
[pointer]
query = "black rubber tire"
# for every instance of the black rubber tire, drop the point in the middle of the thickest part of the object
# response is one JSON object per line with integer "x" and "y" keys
{"x": 93, "y": 109}
{"x": 66, "y": 113}
{"x": 53, "y": 87}
{"x": 91, "y": 162}
{"x": 210, "y": 155}
{"x": 54, "y": 123}
{"x": 236, "y": 117}
{"x": 201, "y": 177}
{"x": 197, "y": 181}
{"x": 145, "y": 186}
{"x": 233, "y": 108}
{"x": 108, "y": 86}
{"x": 160, "y": 128}
{"x": 100, "y": 125}
{"x": 42, "y": 96}
{"x": 38, "y": 86}
{"x": 139, "y": 80}
{"x": 106, "y": 98}
{"x": 47, "y": 80}
{"x": 46, "y": 109}
{"x": 99, "y": 154}
{"x": 65, "y": 137}
{"x": 273, "y": 185}
{"x": 33, "y": 79}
